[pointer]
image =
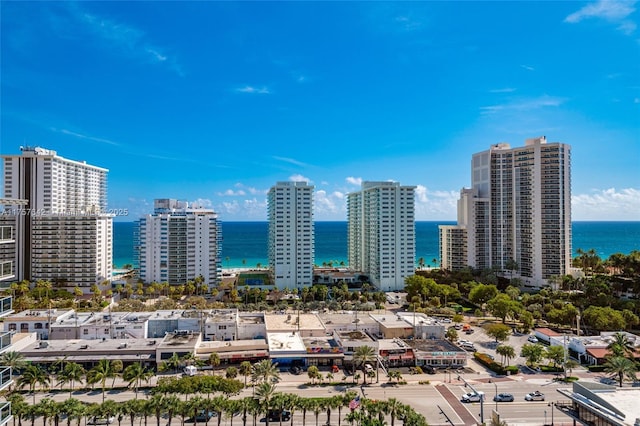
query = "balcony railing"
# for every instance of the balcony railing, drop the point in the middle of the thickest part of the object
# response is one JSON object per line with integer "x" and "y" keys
{"x": 5, "y": 340}
{"x": 5, "y": 413}
{"x": 5, "y": 377}
{"x": 6, "y": 306}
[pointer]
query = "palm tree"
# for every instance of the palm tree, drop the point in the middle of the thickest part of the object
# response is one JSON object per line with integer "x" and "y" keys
{"x": 363, "y": 355}
{"x": 34, "y": 375}
{"x": 13, "y": 359}
{"x": 132, "y": 408}
{"x": 621, "y": 345}
{"x": 47, "y": 409}
{"x": 172, "y": 406}
{"x": 264, "y": 371}
{"x": 214, "y": 361}
{"x": 19, "y": 407}
{"x": 506, "y": 352}
{"x": 264, "y": 393}
{"x": 100, "y": 373}
{"x": 621, "y": 367}
{"x": 134, "y": 374}
{"x": 245, "y": 369}
{"x": 157, "y": 405}
{"x": 72, "y": 372}
{"x": 392, "y": 407}
{"x": 72, "y": 409}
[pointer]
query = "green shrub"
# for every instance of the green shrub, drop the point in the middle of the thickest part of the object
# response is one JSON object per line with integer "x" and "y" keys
{"x": 486, "y": 360}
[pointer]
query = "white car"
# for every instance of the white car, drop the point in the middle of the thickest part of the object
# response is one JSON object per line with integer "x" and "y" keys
{"x": 532, "y": 339}
{"x": 534, "y": 396}
{"x": 472, "y": 397}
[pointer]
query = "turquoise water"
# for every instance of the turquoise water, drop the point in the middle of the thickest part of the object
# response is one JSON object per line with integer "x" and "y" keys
{"x": 245, "y": 243}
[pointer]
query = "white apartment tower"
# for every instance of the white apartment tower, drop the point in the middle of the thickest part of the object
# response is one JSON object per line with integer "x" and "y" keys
{"x": 179, "y": 243}
{"x": 63, "y": 230}
{"x": 381, "y": 233}
{"x": 517, "y": 213}
{"x": 291, "y": 234}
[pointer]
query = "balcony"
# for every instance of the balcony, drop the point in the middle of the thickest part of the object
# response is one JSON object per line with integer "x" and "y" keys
{"x": 5, "y": 377}
{"x": 5, "y": 341}
{"x": 5, "y": 413}
{"x": 6, "y": 306}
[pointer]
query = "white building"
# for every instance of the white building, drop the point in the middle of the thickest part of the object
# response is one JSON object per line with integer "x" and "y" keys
{"x": 178, "y": 243}
{"x": 381, "y": 227}
{"x": 517, "y": 214}
{"x": 291, "y": 234}
{"x": 64, "y": 231}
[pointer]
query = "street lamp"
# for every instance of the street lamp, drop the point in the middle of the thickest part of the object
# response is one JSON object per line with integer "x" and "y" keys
{"x": 553, "y": 406}
{"x": 545, "y": 417}
{"x": 496, "y": 397}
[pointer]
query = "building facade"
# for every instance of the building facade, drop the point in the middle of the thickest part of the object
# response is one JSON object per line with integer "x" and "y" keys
{"x": 178, "y": 243}
{"x": 291, "y": 248}
{"x": 381, "y": 233}
{"x": 63, "y": 229}
{"x": 516, "y": 216}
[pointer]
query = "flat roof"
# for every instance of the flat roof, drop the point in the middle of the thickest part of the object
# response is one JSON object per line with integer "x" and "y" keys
{"x": 285, "y": 343}
{"x": 420, "y": 318}
{"x": 353, "y": 336}
{"x": 435, "y": 345}
{"x": 288, "y": 322}
{"x": 392, "y": 344}
{"x": 391, "y": 320}
{"x": 37, "y": 314}
{"x": 547, "y": 331}
{"x": 625, "y": 400}
{"x": 180, "y": 340}
{"x": 346, "y": 318}
{"x": 251, "y": 318}
{"x": 94, "y": 348}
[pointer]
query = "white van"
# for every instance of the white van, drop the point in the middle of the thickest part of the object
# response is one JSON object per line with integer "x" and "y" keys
{"x": 190, "y": 370}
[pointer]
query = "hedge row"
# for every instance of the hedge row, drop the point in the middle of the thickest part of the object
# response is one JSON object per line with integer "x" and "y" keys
{"x": 498, "y": 368}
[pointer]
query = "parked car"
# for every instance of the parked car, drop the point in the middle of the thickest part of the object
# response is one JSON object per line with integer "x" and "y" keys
{"x": 368, "y": 368}
{"x": 503, "y": 397}
{"x": 202, "y": 417}
{"x": 101, "y": 420}
{"x": 428, "y": 369}
{"x": 276, "y": 415}
{"x": 469, "y": 331}
{"x": 532, "y": 339}
{"x": 472, "y": 397}
{"x": 295, "y": 370}
{"x": 534, "y": 396}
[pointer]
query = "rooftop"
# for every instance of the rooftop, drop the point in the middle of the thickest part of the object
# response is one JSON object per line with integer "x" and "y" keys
{"x": 353, "y": 336}
{"x": 390, "y": 320}
{"x": 285, "y": 342}
{"x": 289, "y": 322}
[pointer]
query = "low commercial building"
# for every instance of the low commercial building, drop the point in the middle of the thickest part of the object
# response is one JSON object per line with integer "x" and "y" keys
{"x": 351, "y": 340}
{"x": 180, "y": 343}
{"x": 425, "y": 327}
{"x": 307, "y": 325}
{"x": 234, "y": 352}
{"x": 35, "y": 321}
{"x": 393, "y": 326}
{"x": 88, "y": 352}
{"x": 438, "y": 353}
{"x": 349, "y": 321}
{"x": 599, "y": 404}
{"x": 251, "y": 325}
{"x": 396, "y": 353}
{"x": 323, "y": 351}
{"x": 287, "y": 349}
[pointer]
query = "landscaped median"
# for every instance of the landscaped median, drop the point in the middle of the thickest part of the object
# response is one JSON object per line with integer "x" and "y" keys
{"x": 496, "y": 367}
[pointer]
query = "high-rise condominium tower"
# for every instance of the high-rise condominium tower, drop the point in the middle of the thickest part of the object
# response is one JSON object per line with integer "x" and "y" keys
{"x": 291, "y": 234}
{"x": 381, "y": 228}
{"x": 178, "y": 243}
{"x": 63, "y": 229}
{"x": 517, "y": 214}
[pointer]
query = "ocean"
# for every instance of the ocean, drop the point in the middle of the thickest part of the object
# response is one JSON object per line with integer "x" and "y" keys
{"x": 245, "y": 243}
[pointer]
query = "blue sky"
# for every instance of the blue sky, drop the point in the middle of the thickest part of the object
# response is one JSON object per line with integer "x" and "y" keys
{"x": 216, "y": 101}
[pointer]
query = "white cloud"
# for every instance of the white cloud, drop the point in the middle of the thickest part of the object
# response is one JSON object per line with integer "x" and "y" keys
{"x": 82, "y": 136}
{"x": 615, "y": 12}
{"x": 254, "y": 90}
{"x": 124, "y": 37}
{"x": 291, "y": 161}
{"x": 299, "y": 178}
{"x": 527, "y": 67}
{"x": 232, "y": 193}
{"x": 328, "y": 206}
{"x": 503, "y": 90}
{"x": 249, "y": 209}
{"x": 201, "y": 203}
{"x": 525, "y": 104}
{"x": 354, "y": 180}
{"x": 435, "y": 204}
{"x": 606, "y": 204}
